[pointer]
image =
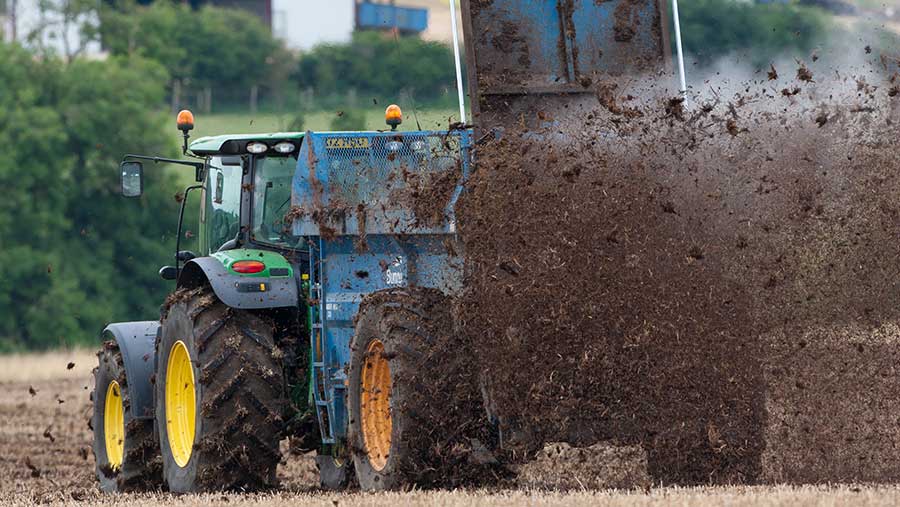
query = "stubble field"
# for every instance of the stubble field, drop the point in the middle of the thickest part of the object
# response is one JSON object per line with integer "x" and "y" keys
{"x": 45, "y": 459}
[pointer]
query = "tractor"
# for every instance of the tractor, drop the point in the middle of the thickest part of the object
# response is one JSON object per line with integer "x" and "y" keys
{"x": 311, "y": 293}
{"x": 318, "y": 307}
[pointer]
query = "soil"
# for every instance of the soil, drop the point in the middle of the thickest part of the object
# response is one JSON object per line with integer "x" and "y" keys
{"x": 712, "y": 280}
{"x": 831, "y": 399}
{"x": 559, "y": 466}
{"x": 626, "y": 19}
{"x": 39, "y": 470}
{"x": 428, "y": 193}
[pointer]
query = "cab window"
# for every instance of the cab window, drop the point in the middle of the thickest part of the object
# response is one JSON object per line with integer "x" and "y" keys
{"x": 222, "y": 209}
{"x": 272, "y": 199}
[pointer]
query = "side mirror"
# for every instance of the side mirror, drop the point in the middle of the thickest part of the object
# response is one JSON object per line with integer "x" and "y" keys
{"x": 168, "y": 273}
{"x": 132, "y": 179}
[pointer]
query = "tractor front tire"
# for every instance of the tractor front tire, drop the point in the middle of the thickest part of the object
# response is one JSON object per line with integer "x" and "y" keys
{"x": 219, "y": 396}
{"x": 412, "y": 393}
{"x": 125, "y": 449}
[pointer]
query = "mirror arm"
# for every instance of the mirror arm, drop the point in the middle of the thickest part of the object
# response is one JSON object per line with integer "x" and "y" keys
{"x": 198, "y": 166}
{"x": 161, "y": 160}
{"x": 187, "y": 192}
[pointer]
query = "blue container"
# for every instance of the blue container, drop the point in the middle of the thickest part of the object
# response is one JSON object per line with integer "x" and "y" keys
{"x": 549, "y": 46}
{"x": 341, "y": 175}
{"x": 385, "y": 17}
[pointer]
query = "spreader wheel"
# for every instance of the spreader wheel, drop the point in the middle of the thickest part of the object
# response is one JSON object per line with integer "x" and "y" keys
{"x": 407, "y": 398}
{"x": 375, "y": 405}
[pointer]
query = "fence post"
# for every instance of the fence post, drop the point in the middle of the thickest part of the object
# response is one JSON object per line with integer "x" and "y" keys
{"x": 254, "y": 98}
{"x": 306, "y": 99}
{"x": 207, "y": 100}
{"x": 176, "y": 95}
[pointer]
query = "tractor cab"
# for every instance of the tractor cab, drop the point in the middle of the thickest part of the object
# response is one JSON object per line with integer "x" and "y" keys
{"x": 251, "y": 170}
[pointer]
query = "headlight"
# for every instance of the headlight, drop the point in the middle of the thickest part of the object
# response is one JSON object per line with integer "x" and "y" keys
{"x": 285, "y": 147}
{"x": 418, "y": 146}
{"x": 394, "y": 146}
{"x": 257, "y": 148}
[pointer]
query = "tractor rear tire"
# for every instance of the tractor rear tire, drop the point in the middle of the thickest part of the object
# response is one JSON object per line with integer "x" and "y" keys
{"x": 220, "y": 396}
{"x": 129, "y": 461}
{"x": 412, "y": 393}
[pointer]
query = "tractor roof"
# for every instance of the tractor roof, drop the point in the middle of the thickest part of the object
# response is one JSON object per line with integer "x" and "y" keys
{"x": 214, "y": 144}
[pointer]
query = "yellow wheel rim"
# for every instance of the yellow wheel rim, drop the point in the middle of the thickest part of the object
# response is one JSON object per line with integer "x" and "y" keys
{"x": 114, "y": 425}
{"x": 375, "y": 405}
{"x": 180, "y": 404}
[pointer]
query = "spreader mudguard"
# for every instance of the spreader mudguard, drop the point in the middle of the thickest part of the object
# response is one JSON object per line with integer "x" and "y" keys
{"x": 545, "y": 55}
{"x": 137, "y": 343}
{"x": 239, "y": 292}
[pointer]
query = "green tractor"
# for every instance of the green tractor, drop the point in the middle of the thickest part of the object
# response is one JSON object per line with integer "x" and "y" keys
{"x": 303, "y": 316}
{"x": 199, "y": 400}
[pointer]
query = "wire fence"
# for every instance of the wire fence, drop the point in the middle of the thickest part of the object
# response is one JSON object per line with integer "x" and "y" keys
{"x": 260, "y": 99}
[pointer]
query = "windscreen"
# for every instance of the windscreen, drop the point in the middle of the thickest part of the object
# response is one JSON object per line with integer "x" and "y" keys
{"x": 272, "y": 200}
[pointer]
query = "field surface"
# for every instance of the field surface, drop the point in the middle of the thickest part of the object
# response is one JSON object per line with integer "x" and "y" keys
{"x": 45, "y": 458}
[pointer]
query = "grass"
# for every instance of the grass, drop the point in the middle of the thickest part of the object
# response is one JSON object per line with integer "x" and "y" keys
{"x": 777, "y": 496}
{"x": 46, "y": 366}
{"x": 245, "y": 123}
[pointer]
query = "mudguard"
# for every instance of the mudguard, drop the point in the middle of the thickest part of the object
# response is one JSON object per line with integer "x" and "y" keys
{"x": 556, "y": 57}
{"x": 137, "y": 342}
{"x": 237, "y": 291}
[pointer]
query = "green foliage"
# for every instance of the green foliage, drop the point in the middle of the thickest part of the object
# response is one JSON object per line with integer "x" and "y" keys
{"x": 379, "y": 65}
{"x": 222, "y": 48}
{"x": 349, "y": 120}
{"x": 298, "y": 122}
{"x": 712, "y": 29}
{"x": 73, "y": 253}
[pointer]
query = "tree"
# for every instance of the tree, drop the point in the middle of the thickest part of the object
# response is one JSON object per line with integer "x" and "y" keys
{"x": 712, "y": 29}
{"x": 379, "y": 65}
{"x": 73, "y": 254}
{"x": 72, "y": 22}
{"x": 215, "y": 48}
